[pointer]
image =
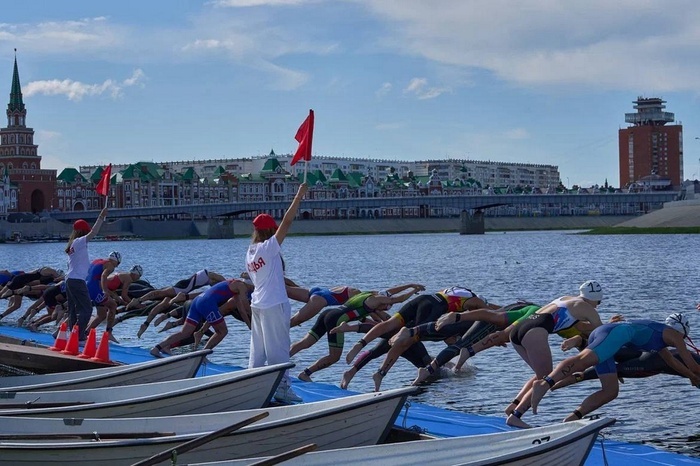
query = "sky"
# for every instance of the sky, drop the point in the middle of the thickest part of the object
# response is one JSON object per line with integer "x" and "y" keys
{"x": 529, "y": 81}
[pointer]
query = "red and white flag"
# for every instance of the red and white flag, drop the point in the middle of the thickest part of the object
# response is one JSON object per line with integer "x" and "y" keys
{"x": 102, "y": 187}
{"x": 305, "y": 137}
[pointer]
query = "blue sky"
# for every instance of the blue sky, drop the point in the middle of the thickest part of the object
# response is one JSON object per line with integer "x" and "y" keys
{"x": 533, "y": 81}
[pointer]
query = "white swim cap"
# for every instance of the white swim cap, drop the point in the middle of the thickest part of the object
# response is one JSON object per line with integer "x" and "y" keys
{"x": 592, "y": 290}
{"x": 115, "y": 256}
{"x": 678, "y": 322}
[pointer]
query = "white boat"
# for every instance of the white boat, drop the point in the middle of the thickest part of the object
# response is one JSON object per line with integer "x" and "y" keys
{"x": 244, "y": 389}
{"x": 171, "y": 368}
{"x": 339, "y": 423}
{"x": 563, "y": 444}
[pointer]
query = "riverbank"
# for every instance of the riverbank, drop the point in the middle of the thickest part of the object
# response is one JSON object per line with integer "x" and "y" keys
{"x": 233, "y": 228}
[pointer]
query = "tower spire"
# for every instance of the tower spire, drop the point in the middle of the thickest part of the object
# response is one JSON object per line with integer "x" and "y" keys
{"x": 16, "y": 104}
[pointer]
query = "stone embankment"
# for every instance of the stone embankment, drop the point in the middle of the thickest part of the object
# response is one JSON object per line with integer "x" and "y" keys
{"x": 235, "y": 228}
{"x": 674, "y": 214}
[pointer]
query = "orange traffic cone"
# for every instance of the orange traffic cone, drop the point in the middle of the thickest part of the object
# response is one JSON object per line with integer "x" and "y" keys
{"x": 61, "y": 338}
{"x": 90, "y": 345}
{"x": 103, "y": 350}
{"x": 72, "y": 345}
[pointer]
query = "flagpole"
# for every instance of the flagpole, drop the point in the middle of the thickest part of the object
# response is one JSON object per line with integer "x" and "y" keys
{"x": 306, "y": 169}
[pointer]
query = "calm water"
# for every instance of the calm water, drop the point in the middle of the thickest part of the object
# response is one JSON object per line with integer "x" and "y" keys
{"x": 644, "y": 276}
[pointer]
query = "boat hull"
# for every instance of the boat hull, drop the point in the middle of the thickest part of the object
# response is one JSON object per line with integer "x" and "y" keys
{"x": 558, "y": 444}
{"x": 171, "y": 368}
{"x": 346, "y": 422}
{"x": 245, "y": 389}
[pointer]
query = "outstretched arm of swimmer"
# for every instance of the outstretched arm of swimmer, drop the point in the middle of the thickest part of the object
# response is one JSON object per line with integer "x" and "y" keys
{"x": 574, "y": 342}
{"x": 398, "y": 289}
{"x": 679, "y": 367}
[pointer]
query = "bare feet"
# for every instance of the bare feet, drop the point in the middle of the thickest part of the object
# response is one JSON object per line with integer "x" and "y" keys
{"x": 197, "y": 339}
{"x": 159, "y": 320}
{"x": 423, "y": 374}
{"x": 510, "y": 408}
{"x": 168, "y": 326}
{"x": 347, "y": 377}
{"x": 20, "y": 322}
{"x": 463, "y": 356}
{"x": 112, "y": 338}
{"x": 404, "y": 334}
{"x": 377, "y": 377}
{"x": 32, "y": 327}
{"x": 342, "y": 328}
{"x": 133, "y": 303}
{"x": 539, "y": 389}
{"x": 514, "y": 421}
{"x": 302, "y": 376}
{"x": 155, "y": 352}
{"x": 142, "y": 329}
{"x": 353, "y": 351}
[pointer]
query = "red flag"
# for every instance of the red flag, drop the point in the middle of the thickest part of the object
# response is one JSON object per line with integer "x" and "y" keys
{"x": 305, "y": 137}
{"x": 102, "y": 187}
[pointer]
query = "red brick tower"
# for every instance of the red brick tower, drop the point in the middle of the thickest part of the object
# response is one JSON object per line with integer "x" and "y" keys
{"x": 650, "y": 150}
{"x": 18, "y": 154}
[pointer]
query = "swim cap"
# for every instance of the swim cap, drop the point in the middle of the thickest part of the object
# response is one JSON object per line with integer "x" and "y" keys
{"x": 114, "y": 255}
{"x": 264, "y": 222}
{"x": 592, "y": 290}
{"x": 137, "y": 269}
{"x": 678, "y": 322}
{"x": 81, "y": 225}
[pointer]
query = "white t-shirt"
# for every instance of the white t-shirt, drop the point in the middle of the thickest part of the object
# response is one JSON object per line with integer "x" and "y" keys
{"x": 264, "y": 265}
{"x": 78, "y": 259}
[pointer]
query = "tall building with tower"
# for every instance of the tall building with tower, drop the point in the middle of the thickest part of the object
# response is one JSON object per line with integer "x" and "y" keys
{"x": 651, "y": 149}
{"x": 19, "y": 157}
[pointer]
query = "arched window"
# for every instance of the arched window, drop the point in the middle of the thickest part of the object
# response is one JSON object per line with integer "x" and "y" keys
{"x": 33, "y": 166}
{"x": 25, "y": 165}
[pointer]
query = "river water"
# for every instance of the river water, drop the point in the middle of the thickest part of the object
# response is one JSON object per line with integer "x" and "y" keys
{"x": 643, "y": 276}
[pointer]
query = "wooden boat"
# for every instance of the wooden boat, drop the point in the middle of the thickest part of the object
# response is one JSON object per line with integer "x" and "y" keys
{"x": 563, "y": 444}
{"x": 43, "y": 361}
{"x": 170, "y": 368}
{"x": 339, "y": 423}
{"x": 244, "y": 389}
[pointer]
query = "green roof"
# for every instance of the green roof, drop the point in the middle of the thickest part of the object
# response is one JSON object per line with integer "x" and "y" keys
{"x": 16, "y": 104}
{"x": 71, "y": 175}
{"x": 338, "y": 176}
{"x": 144, "y": 171}
{"x": 271, "y": 165}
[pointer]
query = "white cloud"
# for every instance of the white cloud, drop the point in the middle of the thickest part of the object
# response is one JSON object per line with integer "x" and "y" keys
{"x": 249, "y": 3}
{"x": 383, "y": 90}
{"x": 419, "y": 87}
{"x": 47, "y": 135}
{"x": 388, "y": 126}
{"x": 76, "y": 90}
{"x": 62, "y": 37}
{"x": 640, "y": 45}
{"x": 517, "y": 133}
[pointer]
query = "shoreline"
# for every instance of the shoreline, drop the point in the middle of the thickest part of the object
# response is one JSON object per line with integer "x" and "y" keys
{"x": 132, "y": 229}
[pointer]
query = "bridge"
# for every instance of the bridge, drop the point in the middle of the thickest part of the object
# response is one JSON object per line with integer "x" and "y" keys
{"x": 608, "y": 203}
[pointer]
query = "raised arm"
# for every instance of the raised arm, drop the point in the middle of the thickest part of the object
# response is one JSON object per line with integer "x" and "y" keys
{"x": 288, "y": 218}
{"x": 98, "y": 224}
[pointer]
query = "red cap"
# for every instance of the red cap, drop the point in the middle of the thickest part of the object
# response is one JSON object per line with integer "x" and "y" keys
{"x": 264, "y": 222}
{"x": 81, "y": 225}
